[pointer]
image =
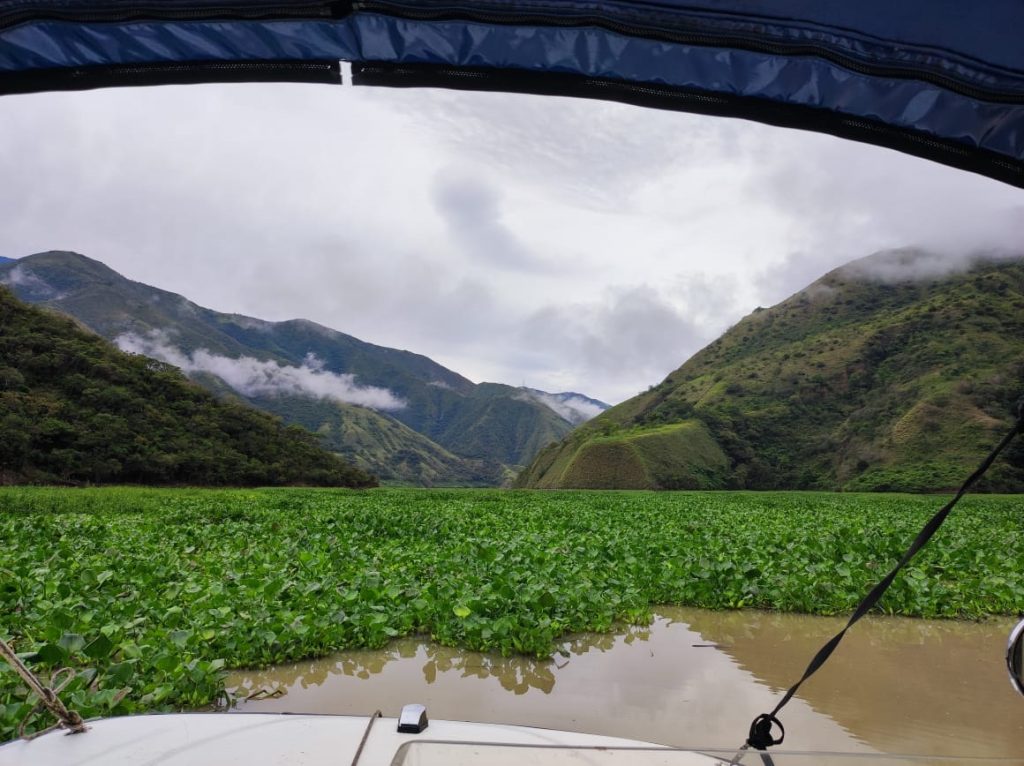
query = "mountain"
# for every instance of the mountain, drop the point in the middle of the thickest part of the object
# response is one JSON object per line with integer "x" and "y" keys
{"x": 893, "y": 373}
{"x": 574, "y": 407}
{"x": 396, "y": 413}
{"x": 380, "y": 444}
{"x": 6, "y": 260}
{"x": 74, "y": 409}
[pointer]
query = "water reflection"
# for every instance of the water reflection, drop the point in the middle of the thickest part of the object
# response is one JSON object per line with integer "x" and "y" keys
{"x": 516, "y": 674}
{"x": 696, "y": 678}
{"x": 901, "y": 684}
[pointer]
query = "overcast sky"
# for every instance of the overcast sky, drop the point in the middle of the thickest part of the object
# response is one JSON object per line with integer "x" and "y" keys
{"x": 564, "y": 244}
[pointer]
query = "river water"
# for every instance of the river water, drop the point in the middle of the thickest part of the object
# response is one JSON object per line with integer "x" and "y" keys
{"x": 695, "y": 678}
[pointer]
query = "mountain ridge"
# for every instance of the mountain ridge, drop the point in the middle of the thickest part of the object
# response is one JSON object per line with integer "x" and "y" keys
{"x": 866, "y": 379}
{"x": 468, "y": 433}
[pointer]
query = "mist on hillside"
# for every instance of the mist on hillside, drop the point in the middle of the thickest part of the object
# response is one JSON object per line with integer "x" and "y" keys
{"x": 258, "y": 377}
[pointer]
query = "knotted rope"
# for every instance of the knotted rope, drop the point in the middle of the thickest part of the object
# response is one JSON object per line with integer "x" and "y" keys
{"x": 66, "y": 719}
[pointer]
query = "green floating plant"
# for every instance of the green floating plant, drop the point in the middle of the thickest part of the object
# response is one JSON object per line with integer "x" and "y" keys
{"x": 148, "y": 595}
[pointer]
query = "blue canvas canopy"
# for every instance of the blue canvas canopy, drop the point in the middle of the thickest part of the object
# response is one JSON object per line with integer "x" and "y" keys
{"x": 942, "y": 79}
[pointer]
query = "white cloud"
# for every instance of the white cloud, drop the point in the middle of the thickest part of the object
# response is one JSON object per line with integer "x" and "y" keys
{"x": 257, "y": 377}
{"x": 21, "y": 277}
{"x": 572, "y": 407}
{"x": 508, "y": 237}
{"x": 629, "y": 334}
{"x": 911, "y": 265}
{"x": 472, "y": 210}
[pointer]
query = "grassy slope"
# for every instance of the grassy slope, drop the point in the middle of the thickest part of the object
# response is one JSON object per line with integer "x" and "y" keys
{"x": 850, "y": 384}
{"x": 675, "y": 456}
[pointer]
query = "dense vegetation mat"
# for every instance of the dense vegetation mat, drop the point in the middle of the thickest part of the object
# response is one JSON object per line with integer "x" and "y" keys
{"x": 150, "y": 594}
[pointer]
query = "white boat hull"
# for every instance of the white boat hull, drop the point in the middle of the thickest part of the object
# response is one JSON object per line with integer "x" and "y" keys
{"x": 258, "y": 739}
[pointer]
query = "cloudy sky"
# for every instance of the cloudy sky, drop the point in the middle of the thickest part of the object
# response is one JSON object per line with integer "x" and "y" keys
{"x": 561, "y": 244}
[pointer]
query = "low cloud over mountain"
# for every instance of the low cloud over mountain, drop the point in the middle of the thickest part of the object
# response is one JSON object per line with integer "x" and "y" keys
{"x": 575, "y": 408}
{"x": 257, "y": 377}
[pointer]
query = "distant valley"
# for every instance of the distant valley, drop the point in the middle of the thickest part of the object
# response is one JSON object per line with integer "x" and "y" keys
{"x": 396, "y": 414}
{"x": 892, "y": 373}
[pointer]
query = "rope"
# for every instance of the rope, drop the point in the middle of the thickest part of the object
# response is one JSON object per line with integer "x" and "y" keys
{"x": 66, "y": 719}
{"x": 366, "y": 735}
{"x": 760, "y": 736}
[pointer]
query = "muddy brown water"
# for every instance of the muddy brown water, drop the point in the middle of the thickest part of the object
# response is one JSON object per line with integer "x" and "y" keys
{"x": 697, "y": 678}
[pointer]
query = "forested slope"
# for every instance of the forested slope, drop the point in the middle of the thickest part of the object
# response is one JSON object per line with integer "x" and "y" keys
{"x": 74, "y": 409}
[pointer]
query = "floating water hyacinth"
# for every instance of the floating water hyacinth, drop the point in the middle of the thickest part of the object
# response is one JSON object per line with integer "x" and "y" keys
{"x": 150, "y": 594}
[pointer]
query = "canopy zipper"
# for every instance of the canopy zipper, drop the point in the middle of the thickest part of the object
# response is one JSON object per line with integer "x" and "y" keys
{"x": 114, "y": 14}
{"x": 677, "y": 34}
{"x": 689, "y": 37}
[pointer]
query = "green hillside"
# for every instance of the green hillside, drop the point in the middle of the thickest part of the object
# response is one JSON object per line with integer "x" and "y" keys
{"x": 675, "y": 456}
{"x": 73, "y": 409}
{"x": 865, "y": 380}
{"x": 374, "y": 442}
{"x": 382, "y": 445}
{"x": 499, "y": 422}
{"x": 447, "y": 431}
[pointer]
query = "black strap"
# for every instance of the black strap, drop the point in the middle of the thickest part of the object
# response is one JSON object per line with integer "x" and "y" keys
{"x": 760, "y": 736}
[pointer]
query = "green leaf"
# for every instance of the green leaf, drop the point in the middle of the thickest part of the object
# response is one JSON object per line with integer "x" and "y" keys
{"x": 71, "y": 642}
{"x": 120, "y": 672}
{"x": 99, "y": 647}
{"x": 131, "y": 650}
{"x": 273, "y": 588}
{"x": 62, "y": 620}
{"x": 179, "y": 637}
{"x": 168, "y": 663}
{"x": 462, "y": 612}
{"x": 51, "y": 654}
